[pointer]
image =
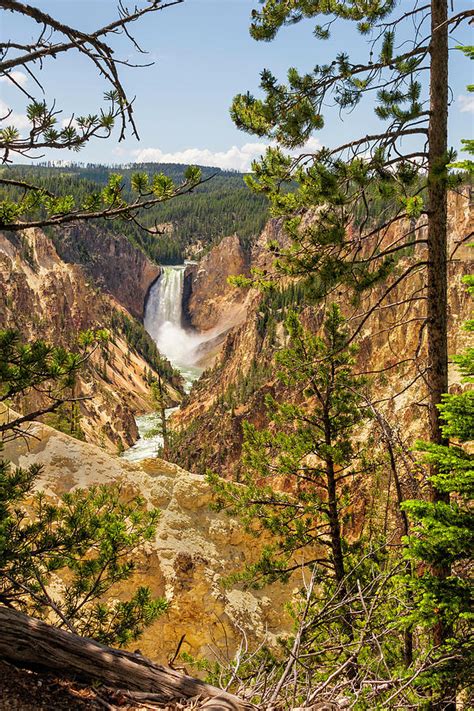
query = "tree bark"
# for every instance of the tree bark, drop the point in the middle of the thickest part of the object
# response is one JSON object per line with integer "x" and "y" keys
{"x": 437, "y": 219}
{"x": 161, "y": 405}
{"x": 31, "y": 643}
{"x": 437, "y": 258}
{"x": 336, "y": 548}
{"x": 437, "y": 228}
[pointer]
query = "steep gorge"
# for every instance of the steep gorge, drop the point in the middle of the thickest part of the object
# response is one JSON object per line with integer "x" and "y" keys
{"x": 45, "y": 297}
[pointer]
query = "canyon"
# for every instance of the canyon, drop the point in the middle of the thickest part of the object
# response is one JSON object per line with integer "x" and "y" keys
{"x": 222, "y": 339}
{"x": 233, "y": 389}
{"x": 214, "y": 332}
{"x": 54, "y": 289}
{"x": 236, "y": 402}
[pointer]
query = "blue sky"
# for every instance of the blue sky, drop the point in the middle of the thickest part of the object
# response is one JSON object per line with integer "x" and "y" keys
{"x": 203, "y": 56}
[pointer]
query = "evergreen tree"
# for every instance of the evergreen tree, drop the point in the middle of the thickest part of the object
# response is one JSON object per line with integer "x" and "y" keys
{"x": 159, "y": 400}
{"x": 310, "y": 447}
{"x": 442, "y": 538}
{"x": 32, "y": 366}
{"x": 188, "y": 226}
{"x": 87, "y": 542}
{"x": 405, "y": 164}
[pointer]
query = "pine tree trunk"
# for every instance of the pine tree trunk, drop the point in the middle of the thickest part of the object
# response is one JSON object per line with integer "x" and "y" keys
{"x": 162, "y": 410}
{"x": 334, "y": 525}
{"x": 437, "y": 253}
{"x": 437, "y": 221}
{"x": 338, "y": 556}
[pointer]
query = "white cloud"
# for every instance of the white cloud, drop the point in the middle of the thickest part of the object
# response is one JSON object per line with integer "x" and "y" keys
{"x": 20, "y": 77}
{"x": 312, "y": 145}
{"x": 234, "y": 158}
{"x": 466, "y": 104}
{"x": 20, "y": 121}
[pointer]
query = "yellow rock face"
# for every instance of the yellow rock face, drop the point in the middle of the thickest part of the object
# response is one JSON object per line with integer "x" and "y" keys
{"x": 193, "y": 550}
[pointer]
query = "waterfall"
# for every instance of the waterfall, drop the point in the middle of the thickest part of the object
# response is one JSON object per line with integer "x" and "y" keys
{"x": 163, "y": 319}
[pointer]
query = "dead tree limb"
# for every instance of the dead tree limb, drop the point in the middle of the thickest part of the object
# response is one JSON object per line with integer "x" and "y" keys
{"x": 31, "y": 643}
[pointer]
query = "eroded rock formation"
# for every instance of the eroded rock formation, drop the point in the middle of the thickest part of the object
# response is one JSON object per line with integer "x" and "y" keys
{"x": 111, "y": 261}
{"x": 193, "y": 550}
{"x": 209, "y": 300}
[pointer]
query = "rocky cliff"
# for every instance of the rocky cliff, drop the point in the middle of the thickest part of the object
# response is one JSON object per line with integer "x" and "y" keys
{"x": 111, "y": 261}
{"x": 210, "y": 423}
{"x": 210, "y": 301}
{"x": 44, "y": 297}
{"x": 193, "y": 550}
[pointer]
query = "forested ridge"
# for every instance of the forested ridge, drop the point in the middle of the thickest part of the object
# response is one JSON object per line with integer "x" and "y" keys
{"x": 189, "y": 225}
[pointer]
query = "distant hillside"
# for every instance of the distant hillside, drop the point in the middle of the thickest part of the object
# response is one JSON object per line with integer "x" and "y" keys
{"x": 194, "y": 222}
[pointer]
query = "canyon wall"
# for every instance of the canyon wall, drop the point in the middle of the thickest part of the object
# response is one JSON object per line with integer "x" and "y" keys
{"x": 234, "y": 389}
{"x": 111, "y": 261}
{"x": 209, "y": 301}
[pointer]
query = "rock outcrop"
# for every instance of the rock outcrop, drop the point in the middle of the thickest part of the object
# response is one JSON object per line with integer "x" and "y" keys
{"x": 210, "y": 302}
{"x": 193, "y": 550}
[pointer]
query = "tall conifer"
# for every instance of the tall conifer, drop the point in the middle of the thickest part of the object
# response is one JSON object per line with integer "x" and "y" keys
{"x": 348, "y": 198}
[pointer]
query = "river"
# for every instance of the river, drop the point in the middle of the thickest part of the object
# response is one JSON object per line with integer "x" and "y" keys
{"x": 163, "y": 321}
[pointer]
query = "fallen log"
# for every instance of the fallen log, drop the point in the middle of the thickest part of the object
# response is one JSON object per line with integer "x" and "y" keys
{"x": 31, "y": 643}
